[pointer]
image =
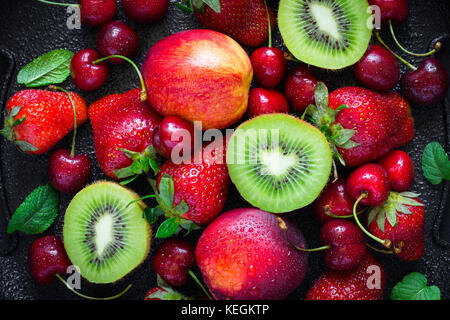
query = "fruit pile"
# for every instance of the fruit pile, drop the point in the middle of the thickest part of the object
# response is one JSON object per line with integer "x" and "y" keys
{"x": 205, "y": 115}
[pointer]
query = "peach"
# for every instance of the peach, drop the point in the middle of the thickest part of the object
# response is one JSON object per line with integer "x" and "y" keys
{"x": 199, "y": 75}
{"x": 244, "y": 255}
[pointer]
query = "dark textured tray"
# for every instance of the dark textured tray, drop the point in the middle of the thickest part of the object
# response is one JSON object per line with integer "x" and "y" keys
{"x": 29, "y": 29}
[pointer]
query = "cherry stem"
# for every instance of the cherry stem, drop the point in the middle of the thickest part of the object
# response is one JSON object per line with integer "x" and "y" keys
{"x": 436, "y": 47}
{"x": 72, "y": 150}
{"x": 59, "y": 3}
{"x": 283, "y": 227}
{"x": 194, "y": 277}
{"x": 288, "y": 56}
{"x": 92, "y": 298}
{"x": 377, "y": 34}
{"x": 343, "y": 217}
{"x": 379, "y": 250}
{"x": 143, "y": 91}
{"x": 268, "y": 23}
{"x": 386, "y": 243}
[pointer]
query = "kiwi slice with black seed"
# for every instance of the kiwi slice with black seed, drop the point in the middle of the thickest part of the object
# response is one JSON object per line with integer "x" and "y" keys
{"x": 330, "y": 34}
{"x": 278, "y": 162}
{"x": 105, "y": 232}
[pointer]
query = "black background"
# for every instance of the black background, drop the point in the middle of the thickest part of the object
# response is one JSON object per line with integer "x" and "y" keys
{"x": 28, "y": 29}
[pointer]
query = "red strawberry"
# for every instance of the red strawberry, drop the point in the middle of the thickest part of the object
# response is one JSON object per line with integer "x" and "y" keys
{"x": 195, "y": 191}
{"x": 123, "y": 129}
{"x": 366, "y": 282}
{"x": 36, "y": 120}
{"x": 400, "y": 219}
{"x": 365, "y": 125}
{"x": 243, "y": 20}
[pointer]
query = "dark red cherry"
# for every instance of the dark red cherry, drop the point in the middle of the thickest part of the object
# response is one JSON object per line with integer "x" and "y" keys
{"x": 173, "y": 259}
{"x": 333, "y": 200}
{"x": 347, "y": 244}
{"x": 145, "y": 11}
{"x": 400, "y": 169}
{"x": 173, "y": 132}
{"x": 95, "y": 13}
{"x": 46, "y": 258}
{"x": 117, "y": 38}
{"x": 378, "y": 69}
{"x": 395, "y": 10}
{"x": 427, "y": 85}
{"x": 86, "y": 75}
{"x": 262, "y": 101}
{"x": 299, "y": 88}
{"x": 67, "y": 173}
{"x": 269, "y": 66}
{"x": 370, "y": 180}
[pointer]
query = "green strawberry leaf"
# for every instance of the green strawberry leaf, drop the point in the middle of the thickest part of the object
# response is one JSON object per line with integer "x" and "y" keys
{"x": 166, "y": 190}
{"x": 321, "y": 96}
{"x": 435, "y": 163}
{"x": 152, "y": 214}
{"x": 414, "y": 287}
{"x": 213, "y": 4}
{"x": 25, "y": 146}
{"x": 50, "y": 68}
{"x": 37, "y": 212}
{"x": 168, "y": 228}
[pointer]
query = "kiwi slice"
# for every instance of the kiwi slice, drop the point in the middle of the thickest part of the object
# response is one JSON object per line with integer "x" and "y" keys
{"x": 330, "y": 34}
{"x": 278, "y": 162}
{"x": 104, "y": 235}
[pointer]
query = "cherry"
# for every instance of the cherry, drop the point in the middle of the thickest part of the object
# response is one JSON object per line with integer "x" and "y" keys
{"x": 333, "y": 202}
{"x": 145, "y": 11}
{"x": 117, "y": 38}
{"x": 299, "y": 88}
{"x": 400, "y": 169}
{"x": 369, "y": 184}
{"x": 173, "y": 260}
{"x": 173, "y": 132}
{"x": 262, "y": 101}
{"x": 85, "y": 74}
{"x": 426, "y": 85}
{"x": 344, "y": 243}
{"x": 47, "y": 257}
{"x": 347, "y": 246}
{"x": 93, "y": 13}
{"x": 396, "y": 10}
{"x": 378, "y": 69}
{"x": 269, "y": 66}
{"x": 67, "y": 173}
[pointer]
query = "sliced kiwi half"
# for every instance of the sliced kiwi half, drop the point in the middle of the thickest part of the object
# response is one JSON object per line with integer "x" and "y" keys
{"x": 330, "y": 34}
{"x": 105, "y": 233}
{"x": 278, "y": 162}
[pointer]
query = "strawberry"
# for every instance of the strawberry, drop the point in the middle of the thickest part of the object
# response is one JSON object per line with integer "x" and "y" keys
{"x": 123, "y": 129}
{"x": 192, "y": 193}
{"x": 365, "y": 282}
{"x": 400, "y": 219}
{"x": 362, "y": 125}
{"x": 36, "y": 120}
{"x": 245, "y": 21}
{"x": 163, "y": 291}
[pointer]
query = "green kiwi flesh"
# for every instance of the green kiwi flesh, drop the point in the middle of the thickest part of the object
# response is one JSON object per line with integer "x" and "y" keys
{"x": 104, "y": 236}
{"x": 278, "y": 162}
{"x": 330, "y": 34}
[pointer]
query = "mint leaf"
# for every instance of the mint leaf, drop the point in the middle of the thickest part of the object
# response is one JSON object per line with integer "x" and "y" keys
{"x": 50, "y": 68}
{"x": 37, "y": 212}
{"x": 167, "y": 228}
{"x": 435, "y": 163}
{"x": 414, "y": 287}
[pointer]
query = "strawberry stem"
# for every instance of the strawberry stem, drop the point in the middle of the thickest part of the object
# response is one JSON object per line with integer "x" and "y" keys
{"x": 72, "y": 150}
{"x": 143, "y": 91}
{"x": 409, "y": 65}
{"x": 386, "y": 243}
{"x": 197, "y": 281}
{"x": 92, "y": 298}
{"x": 60, "y": 4}
{"x": 437, "y": 46}
{"x": 268, "y": 23}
